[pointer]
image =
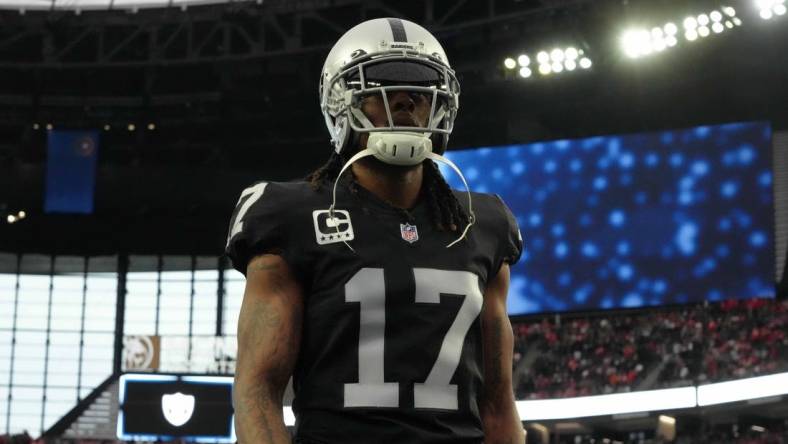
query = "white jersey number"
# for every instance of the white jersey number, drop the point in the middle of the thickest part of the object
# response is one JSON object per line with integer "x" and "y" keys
{"x": 368, "y": 289}
{"x": 252, "y": 194}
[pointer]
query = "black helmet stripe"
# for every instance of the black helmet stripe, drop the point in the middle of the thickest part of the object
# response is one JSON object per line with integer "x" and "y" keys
{"x": 398, "y": 30}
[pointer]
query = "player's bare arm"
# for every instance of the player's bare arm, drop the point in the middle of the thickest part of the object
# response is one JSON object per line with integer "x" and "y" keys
{"x": 269, "y": 335}
{"x": 499, "y": 415}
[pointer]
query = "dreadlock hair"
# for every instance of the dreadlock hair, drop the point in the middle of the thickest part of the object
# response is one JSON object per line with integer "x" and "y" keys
{"x": 446, "y": 212}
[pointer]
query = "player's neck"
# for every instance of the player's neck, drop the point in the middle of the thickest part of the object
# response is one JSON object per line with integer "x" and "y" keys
{"x": 398, "y": 185}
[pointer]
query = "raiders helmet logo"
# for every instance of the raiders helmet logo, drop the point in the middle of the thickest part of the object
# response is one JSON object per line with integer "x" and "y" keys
{"x": 177, "y": 408}
{"x": 357, "y": 53}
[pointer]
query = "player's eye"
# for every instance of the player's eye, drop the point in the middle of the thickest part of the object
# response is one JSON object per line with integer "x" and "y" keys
{"x": 418, "y": 96}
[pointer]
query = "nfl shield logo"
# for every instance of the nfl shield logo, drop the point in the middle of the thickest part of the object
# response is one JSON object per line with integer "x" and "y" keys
{"x": 409, "y": 232}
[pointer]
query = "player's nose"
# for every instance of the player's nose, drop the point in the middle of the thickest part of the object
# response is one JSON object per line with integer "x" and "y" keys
{"x": 401, "y": 100}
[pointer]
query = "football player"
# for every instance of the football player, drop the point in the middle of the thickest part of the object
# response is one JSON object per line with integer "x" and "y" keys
{"x": 377, "y": 288}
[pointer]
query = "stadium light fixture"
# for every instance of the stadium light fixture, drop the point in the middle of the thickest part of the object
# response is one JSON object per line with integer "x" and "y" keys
{"x": 743, "y": 389}
{"x": 36, "y": 126}
{"x": 641, "y": 42}
{"x": 10, "y": 218}
{"x": 49, "y": 127}
{"x": 553, "y": 61}
{"x": 107, "y": 127}
{"x": 21, "y": 214}
{"x": 770, "y": 8}
{"x": 620, "y": 403}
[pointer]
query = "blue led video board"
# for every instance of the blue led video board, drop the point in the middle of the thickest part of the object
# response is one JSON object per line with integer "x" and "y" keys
{"x": 635, "y": 220}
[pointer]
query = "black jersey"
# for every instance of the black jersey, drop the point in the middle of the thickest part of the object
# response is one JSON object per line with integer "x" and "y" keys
{"x": 391, "y": 349}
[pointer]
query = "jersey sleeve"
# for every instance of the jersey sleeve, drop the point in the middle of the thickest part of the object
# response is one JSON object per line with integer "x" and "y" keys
{"x": 510, "y": 245}
{"x": 258, "y": 224}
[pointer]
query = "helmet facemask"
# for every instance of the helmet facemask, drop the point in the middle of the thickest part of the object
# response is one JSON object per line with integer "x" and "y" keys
{"x": 382, "y": 73}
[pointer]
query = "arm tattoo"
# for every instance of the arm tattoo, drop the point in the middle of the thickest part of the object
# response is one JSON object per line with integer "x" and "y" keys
{"x": 257, "y": 402}
{"x": 264, "y": 326}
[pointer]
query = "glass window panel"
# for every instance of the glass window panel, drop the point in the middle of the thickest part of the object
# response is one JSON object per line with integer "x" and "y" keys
{"x": 64, "y": 339}
{"x": 99, "y": 339}
{"x": 65, "y": 394}
{"x": 174, "y": 314}
{"x": 175, "y": 287}
{"x": 140, "y": 314}
{"x": 25, "y": 421}
{"x": 147, "y": 286}
{"x": 174, "y": 350}
{"x": 177, "y": 276}
{"x": 97, "y": 353}
{"x": 174, "y": 328}
{"x": 203, "y": 357}
{"x": 101, "y": 303}
{"x": 65, "y": 375}
{"x": 207, "y": 276}
{"x": 142, "y": 279}
{"x": 31, "y": 282}
{"x": 5, "y": 339}
{"x": 32, "y": 311}
{"x": 95, "y": 371}
{"x": 206, "y": 288}
{"x": 69, "y": 282}
{"x": 102, "y": 282}
{"x": 100, "y": 317}
{"x": 92, "y": 380}
{"x": 204, "y": 321}
{"x": 25, "y": 394}
{"x": 7, "y": 295}
{"x": 234, "y": 290}
{"x": 56, "y": 409}
{"x": 51, "y": 418}
{"x": 64, "y": 346}
{"x": 30, "y": 350}
{"x": 66, "y": 310}
{"x": 7, "y": 282}
{"x": 83, "y": 393}
{"x": 29, "y": 373}
{"x": 139, "y": 328}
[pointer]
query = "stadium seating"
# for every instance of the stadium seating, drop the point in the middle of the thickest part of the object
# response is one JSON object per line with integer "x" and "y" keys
{"x": 568, "y": 356}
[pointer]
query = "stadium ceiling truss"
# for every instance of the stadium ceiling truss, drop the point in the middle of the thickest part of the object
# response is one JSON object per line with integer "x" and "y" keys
{"x": 236, "y": 31}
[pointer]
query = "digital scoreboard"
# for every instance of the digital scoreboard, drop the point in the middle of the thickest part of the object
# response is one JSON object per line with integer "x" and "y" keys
{"x": 163, "y": 407}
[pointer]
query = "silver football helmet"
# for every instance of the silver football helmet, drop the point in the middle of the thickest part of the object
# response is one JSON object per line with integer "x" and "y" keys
{"x": 381, "y": 56}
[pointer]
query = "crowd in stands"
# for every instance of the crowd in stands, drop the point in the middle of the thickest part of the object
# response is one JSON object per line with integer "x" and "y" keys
{"x": 705, "y": 434}
{"x": 611, "y": 353}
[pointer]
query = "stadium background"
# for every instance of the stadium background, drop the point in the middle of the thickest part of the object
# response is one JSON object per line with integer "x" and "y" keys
{"x": 186, "y": 104}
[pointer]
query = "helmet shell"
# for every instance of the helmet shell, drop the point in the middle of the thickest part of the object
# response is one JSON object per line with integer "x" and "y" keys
{"x": 369, "y": 40}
